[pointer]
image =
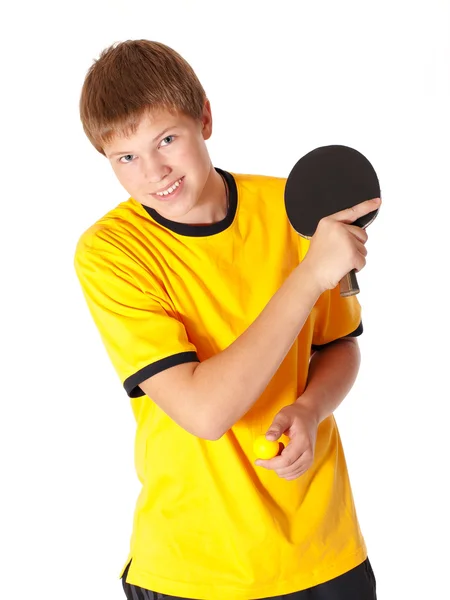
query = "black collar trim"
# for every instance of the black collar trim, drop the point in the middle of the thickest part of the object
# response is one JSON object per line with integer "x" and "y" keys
{"x": 202, "y": 230}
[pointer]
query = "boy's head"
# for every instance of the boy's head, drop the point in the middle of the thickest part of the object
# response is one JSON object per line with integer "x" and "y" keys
{"x": 143, "y": 107}
{"x": 131, "y": 79}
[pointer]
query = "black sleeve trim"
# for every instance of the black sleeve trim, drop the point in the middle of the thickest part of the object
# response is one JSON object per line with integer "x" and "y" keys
{"x": 133, "y": 382}
{"x": 358, "y": 331}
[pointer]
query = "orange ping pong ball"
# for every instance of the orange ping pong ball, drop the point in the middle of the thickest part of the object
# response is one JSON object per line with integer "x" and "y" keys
{"x": 266, "y": 449}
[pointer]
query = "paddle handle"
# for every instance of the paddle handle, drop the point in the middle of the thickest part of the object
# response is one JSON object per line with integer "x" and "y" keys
{"x": 349, "y": 285}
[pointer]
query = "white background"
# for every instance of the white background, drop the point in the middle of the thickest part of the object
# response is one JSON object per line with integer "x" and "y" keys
{"x": 283, "y": 78}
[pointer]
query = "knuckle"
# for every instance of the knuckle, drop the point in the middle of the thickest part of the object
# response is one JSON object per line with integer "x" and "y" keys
{"x": 288, "y": 461}
{"x": 310, "y": 461}
{"x": 355, "y": 255}
{"x": 307, "y": 455}
{"x": 323, "y": 223}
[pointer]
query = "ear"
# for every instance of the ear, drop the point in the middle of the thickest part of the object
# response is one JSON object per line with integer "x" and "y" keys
{"x": 207, "y": 120}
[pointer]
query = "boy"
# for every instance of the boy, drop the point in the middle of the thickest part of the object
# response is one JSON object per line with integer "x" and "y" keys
{"x": 210, "y": 308}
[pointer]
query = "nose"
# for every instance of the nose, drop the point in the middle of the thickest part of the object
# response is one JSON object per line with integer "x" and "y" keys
{"x": 154, "y": 170}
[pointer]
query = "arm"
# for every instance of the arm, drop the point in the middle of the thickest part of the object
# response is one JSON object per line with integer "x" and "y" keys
{"x": 333, "y": 371}
{"x": 206, "y": 399}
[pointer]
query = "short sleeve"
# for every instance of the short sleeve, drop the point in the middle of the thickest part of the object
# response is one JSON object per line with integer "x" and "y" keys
{"x": 335, "y": 317}
{"x": 140, "y": 330}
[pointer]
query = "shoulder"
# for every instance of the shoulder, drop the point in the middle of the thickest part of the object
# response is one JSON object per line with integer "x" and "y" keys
{"x": 110, "y": 254}
{"x": 109, "y": 230}
{"x": 260, "y": 193}
{"x": 261, "y": 197}
{"x": 112, "y": 242}
{"x": 260, "y": 183}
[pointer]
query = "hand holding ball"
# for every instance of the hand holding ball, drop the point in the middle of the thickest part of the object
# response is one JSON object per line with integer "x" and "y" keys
{"x": 266, "y": 449}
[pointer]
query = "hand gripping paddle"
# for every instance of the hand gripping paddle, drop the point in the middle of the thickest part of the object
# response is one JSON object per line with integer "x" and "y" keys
{"x": 325, "y": 181}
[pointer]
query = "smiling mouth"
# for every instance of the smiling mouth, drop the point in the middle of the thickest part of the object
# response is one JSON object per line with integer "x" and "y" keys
{"x": 169, "y": 190}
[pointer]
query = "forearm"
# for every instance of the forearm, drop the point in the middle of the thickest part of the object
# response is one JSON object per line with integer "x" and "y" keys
{"x": 239, "y": 374}
{"x": 219, "y": 391}
{"x": 332, "y": 374}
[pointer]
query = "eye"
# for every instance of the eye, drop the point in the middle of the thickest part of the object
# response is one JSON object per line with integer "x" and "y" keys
{"x": 126, "y": 159}
{"x": 167, "y": 140}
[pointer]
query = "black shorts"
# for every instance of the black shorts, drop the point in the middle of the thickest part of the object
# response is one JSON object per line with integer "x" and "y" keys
{"x": 357, "y": 584}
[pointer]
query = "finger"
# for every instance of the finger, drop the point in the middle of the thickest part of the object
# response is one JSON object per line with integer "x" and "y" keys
{"x": 359, "y": 255}
{"x": 302, "y": 463}
{"x": 349, "y": 215}
{"x": 293, "y": 473}
{"x": 360, "y": 261}
{"x": 271, "y": 463}
{"x": 288, "y": 459}
{"x": 296, "y": 474}
{"x": 361, "y": 249}
{"x": 357, "y": 232}
{"x": 289, "y": 455}
{"x": 280, "y": 424}
{"x": 294, "y": 451}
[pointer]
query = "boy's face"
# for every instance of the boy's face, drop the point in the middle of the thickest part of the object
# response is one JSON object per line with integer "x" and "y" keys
{"x": 165, "y": 164}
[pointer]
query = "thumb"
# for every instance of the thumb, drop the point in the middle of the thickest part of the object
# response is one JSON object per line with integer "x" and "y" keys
{"x": 279, "y": 425}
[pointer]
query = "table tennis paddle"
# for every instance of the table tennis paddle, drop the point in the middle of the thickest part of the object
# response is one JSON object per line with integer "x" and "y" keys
{"x": 325, "y": 181}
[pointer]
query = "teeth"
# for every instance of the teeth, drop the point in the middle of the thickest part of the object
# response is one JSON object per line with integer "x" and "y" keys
{"x": 170, "y": 190}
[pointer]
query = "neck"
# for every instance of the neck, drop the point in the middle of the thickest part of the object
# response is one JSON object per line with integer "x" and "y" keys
{"x": 214, "y": 203}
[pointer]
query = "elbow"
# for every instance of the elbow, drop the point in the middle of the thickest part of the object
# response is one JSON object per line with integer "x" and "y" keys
{"x": 207, "y": 427}
{"x": 208, "y": 433}
{"x": 212, "y": 436}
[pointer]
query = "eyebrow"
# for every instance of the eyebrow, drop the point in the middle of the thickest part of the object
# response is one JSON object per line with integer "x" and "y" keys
{"x": 153, "y": 141}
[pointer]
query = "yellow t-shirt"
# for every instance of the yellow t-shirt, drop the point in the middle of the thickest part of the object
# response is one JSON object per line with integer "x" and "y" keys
{"x": 208, "y": 523}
